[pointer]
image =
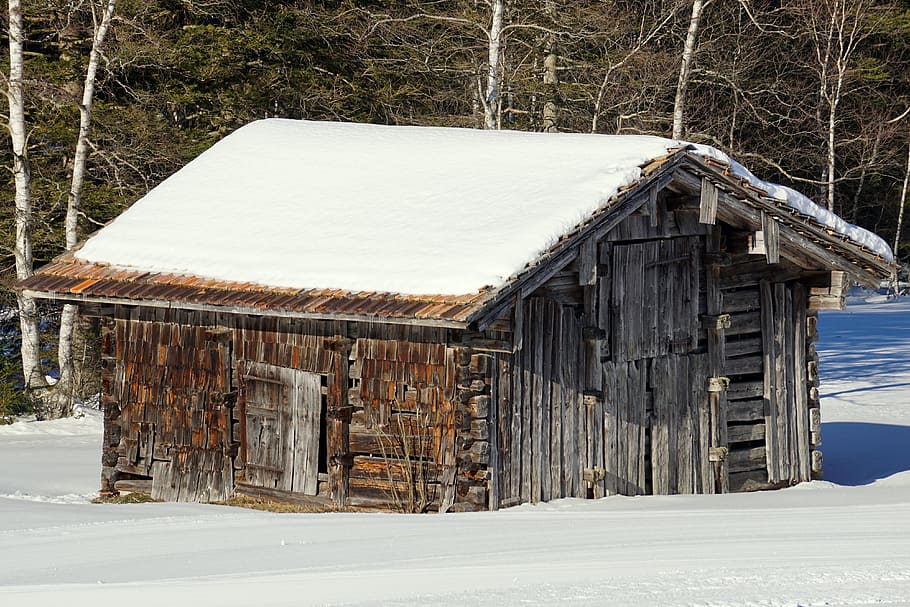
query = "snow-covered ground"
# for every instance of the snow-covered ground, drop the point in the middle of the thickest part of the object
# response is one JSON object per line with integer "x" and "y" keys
{"x": 844, "y": 541}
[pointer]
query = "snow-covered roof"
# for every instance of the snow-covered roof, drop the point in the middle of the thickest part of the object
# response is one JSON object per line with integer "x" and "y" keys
{"x": 412, "y": 210}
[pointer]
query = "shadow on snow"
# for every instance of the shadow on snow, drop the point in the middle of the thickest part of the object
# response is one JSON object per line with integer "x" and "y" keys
{"x": 859, "y": 453}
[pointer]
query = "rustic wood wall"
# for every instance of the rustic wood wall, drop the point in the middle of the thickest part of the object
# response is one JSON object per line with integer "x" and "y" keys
{"x": 163, "y": 394}
{"x": 702, "y": 386}
{"x": 539, "y": 419}
{"x": 402, "y": 411}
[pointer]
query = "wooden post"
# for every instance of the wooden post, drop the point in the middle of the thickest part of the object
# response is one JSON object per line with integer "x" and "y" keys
{"x": 338, "y": 423}
{"x": 708, "y": 203}
{"x": 717, "y": 388}
{"x": 771, "y": 231}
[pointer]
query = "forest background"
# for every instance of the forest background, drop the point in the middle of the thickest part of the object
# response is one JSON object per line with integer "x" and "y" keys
{"x": 814, "y": 94}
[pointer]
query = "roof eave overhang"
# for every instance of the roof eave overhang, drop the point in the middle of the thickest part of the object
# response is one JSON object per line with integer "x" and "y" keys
{"x": 819, "y": 242}
{"x": 82, "y": 299}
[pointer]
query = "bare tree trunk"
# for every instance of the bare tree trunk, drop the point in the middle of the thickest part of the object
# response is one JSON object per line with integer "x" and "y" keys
{"x": 551, "y": 78}
{"x": 491, "y": 99}
{"x": 28, "y": 313}
{"x": 64, "y": 390}
{"x": 685, "y": 69}
{"x": 832, "y": 145}
{"x": 865, "y": 171}
{"x": 903, "y": 203}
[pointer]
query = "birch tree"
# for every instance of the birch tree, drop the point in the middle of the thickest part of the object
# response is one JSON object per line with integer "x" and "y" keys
{"x": 902, "y": 202}
{"x": 33, "y": 375}
{"x": 491, "y": 95}
{"x": 685, "y": 67}
{"x": 837, "y": 29}
{"x": 61, "y": 404}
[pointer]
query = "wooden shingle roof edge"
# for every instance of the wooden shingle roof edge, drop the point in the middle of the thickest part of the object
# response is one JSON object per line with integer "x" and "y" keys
{"x": 68, "y": 279}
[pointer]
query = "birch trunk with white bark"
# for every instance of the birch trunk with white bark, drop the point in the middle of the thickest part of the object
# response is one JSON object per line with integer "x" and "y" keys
{"x": 550, "y": 122}
{"x": 685, "y": 69}
{"x": 61, "y": 405}
{"x": 903, "y": 203}
{"x": 491, "y": 97}
{"x": 28, "y": 313}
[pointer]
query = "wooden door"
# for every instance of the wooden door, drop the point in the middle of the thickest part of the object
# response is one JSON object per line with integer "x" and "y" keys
{"x": 281, "y": 411}
{"x": 655, "y": 411}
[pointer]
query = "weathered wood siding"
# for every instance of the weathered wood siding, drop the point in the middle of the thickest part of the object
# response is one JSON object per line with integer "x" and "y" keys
{"x": 675, "y": 365}
{"x": 165, "y": 408}
{"x": 540, "y": 422}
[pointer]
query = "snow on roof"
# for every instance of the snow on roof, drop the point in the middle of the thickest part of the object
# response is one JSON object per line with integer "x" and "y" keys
{"x": 413, "y": 210}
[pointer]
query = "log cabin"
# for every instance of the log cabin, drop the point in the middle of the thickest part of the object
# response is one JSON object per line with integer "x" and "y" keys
{"x": 437, "y": 320}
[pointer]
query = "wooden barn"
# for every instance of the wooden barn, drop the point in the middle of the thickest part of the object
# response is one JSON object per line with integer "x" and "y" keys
{"x": 423, "y": 319}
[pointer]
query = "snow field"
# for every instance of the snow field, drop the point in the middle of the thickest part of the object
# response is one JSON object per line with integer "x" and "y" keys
{"x": 844, "y": 541}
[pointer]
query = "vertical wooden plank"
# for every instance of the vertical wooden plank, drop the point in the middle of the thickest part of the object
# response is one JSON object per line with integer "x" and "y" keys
{"x": 789, "y": 361}
{"x": 653, "y": 212}
{"x": 587, "y": 262}
{"x": 495, "y": 464}
{"x": 701, "y": 421}
{"x": 517, "y": 400}
{"x": 557, "y": 408}
{"x": 518, "y": 323}
{"x": 686, "y": 437}
{"x": 664, "y": 401}
{"x": 568, "y": 362}
{"x": 309, "y": 387}
{"x": 611, "y": 470}
{"x": 547, "y": 341}
{"x": 617, "y": 298}
{"x": 770, "y": 390}
{"x": 781, "y": 340}
{"x": 445, "y": 412}
{"x": 652, "y": 281}
{"x": 527, "y": 380}
{"x": 801, "y": 390}
{"x": 708, "y": 202}
{"x": 771, "y": 231}
{"x": 502, "y": 369}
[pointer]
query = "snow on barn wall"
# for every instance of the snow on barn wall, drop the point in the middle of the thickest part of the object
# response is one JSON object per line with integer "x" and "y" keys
{"x": 635, "y": 317}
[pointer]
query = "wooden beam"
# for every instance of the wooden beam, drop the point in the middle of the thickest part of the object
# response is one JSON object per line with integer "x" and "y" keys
{"x": 653, "y": 213}
{"x": 863, "y": 259}
{"x": 757, "y": 243}
{"x": 587, "y": 262}
{"x": 518, "y": 322}
{"x": 707, "y": 206}
{"x": 771, "y": 230}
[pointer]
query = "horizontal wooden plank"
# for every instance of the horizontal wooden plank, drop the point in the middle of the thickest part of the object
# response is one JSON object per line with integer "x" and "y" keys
{"x": 742, "y": 460}
{"x": 740, "y": 390}
{"x": 134, "y": 484}
{"x": 378, "y": 468}
{"x": 742, "y": 346}
{"x": 744, "y": 433}
{"x": 746, "y": 410}
{"x": 744, "y": 322}
{"x": 383, "y": 444}
{"x": 743, "y": 365}
{"x": 741, "y": 300}
{"x": 750, "y": 480}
